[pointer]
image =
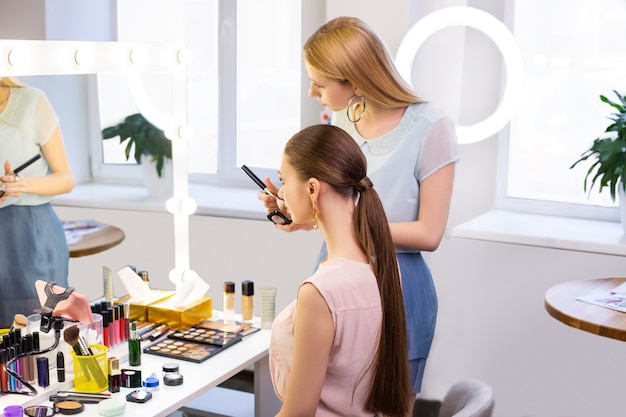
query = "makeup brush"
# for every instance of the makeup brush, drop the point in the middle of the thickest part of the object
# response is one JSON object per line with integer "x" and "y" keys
{"x": 72, "y": 337}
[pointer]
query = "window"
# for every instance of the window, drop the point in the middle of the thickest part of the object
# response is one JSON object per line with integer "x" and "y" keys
{"x": 243, "y": 95}
{"x": 573, "y": 53}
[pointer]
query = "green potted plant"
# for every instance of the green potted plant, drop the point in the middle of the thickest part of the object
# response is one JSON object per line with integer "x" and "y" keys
{"x": 609, "y": 151}
{"x": 148, "y": 139}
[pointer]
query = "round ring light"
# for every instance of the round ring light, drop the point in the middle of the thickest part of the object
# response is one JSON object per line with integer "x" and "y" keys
{"x": 503, "y": 39}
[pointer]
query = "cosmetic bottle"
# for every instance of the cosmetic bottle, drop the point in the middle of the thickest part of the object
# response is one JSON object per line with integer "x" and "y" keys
{"x": 114, "y": 374}
{"x": 229, "y": 302}
{"x": 107, "y": 277}
{"x": 145, "y": 277}
{"x": 134, "y": 346}
{"x": 247, "y": 301}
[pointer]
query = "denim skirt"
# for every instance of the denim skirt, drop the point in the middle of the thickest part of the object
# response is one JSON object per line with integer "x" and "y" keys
{"x": 32, "y": 247}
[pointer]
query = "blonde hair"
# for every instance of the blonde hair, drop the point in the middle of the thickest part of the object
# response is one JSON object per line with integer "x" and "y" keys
{"x": 347, "y": 50}
{"x": 11, "y": 82}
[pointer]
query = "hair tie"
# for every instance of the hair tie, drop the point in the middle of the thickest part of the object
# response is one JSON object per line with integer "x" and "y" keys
{"x": 364, "y": 185}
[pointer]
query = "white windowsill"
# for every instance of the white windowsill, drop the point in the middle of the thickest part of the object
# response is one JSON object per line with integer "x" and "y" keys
{"x": 503, "y": 226}
{"x": 212, "y": 200}
{"x": 566, "y": 233}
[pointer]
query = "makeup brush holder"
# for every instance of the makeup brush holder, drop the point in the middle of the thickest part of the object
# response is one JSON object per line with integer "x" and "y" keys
{"x": 90, "y": 372}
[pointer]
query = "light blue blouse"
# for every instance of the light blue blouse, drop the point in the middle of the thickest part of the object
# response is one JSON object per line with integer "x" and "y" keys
{"x": 423, "y": 141}
{"x": 26, "y": 123}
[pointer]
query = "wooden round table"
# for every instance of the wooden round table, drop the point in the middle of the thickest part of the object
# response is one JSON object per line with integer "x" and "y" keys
{"x": 97, "y": 242}
{"x": 561, "y": 303}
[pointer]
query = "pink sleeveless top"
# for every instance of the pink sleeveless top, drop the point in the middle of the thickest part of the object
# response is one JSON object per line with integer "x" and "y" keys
{"x": 351, "y": 292}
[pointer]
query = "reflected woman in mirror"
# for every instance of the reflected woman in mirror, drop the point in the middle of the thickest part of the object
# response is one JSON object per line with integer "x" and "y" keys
{"x": 340, "y": 348}
{"x": 33, "y": 244}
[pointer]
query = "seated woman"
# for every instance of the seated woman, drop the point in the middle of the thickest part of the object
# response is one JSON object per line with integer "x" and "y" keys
{"x": 340, "y": 348}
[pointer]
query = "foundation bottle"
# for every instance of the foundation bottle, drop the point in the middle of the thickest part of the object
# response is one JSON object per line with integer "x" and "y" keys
{"x": 229, "y": 303}
{"x": 247, "y": 301}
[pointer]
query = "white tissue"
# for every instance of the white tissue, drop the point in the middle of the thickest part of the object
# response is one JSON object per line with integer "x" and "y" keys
{"x": 137, "y": 288}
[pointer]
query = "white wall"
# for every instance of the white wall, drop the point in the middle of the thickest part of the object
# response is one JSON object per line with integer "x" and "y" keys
{"x": 492, "y": 323}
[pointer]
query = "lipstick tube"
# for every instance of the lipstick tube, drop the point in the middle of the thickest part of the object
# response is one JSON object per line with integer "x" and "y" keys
{"x": 4, "y": 376}
{"x": 60, "y": 367}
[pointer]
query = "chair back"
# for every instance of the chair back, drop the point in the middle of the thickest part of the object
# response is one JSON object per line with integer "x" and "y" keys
{"x": 468, "y": 398}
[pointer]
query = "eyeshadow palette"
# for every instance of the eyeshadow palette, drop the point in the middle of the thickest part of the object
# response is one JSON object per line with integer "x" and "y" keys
{"x": 183, "y": 350}
{"x": 207, "y": 336}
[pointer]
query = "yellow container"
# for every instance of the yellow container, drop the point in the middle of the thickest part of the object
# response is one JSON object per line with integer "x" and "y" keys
{"x": 139, "y": 308}
{"x": 90, "y": 372}
{"x": 182, "y": 317}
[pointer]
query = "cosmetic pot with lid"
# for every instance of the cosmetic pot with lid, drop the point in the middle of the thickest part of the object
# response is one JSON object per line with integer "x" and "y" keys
{"x": 171, "y": 374}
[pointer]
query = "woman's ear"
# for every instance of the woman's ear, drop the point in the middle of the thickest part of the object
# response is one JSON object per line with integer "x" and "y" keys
{"x": 313, "y": 187}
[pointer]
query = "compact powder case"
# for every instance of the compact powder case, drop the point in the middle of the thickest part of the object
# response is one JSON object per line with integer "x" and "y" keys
{"x": 69, "y": 407}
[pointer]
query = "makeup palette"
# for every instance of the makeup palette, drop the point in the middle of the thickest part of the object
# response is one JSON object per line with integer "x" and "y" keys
{"x": 207, "y": 336}
{"x": 183, "y": 350}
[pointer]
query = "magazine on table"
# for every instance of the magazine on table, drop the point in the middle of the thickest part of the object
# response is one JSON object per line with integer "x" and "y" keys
{"x": 76, "y": 229}
{"x": 614, "y": 299}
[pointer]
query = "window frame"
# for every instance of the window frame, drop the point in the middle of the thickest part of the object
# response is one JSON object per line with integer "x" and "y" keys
{"x": 228, "y": 173}
{"x": 536, "y": 206}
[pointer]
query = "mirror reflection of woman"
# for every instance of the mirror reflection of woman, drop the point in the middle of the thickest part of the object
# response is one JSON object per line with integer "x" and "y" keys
{"x": 33, "y": 244}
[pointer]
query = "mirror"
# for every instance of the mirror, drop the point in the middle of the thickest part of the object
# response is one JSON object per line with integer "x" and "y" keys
{"x": 74, "y": 64}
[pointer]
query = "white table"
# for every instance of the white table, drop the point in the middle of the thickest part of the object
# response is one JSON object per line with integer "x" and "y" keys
{"x": 198, "y": 378}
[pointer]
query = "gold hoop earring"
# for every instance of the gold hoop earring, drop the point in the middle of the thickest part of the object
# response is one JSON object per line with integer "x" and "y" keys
{"x": 314, "y": 216}
{"x": 350, "y": 105}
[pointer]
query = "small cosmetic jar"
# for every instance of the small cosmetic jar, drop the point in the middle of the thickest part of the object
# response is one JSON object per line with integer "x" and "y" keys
{"x": 150, "y": 383}
{"x": 170, "y": 367}
{"x": 111, "y": 407}
{"x": 171, "y": 375}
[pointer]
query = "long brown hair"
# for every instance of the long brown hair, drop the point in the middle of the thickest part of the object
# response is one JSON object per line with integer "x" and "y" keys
{"x": 347, "y": 50}
{"x": 329, "y": 154}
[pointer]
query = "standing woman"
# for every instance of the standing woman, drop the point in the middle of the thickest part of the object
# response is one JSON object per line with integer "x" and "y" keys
{"x": 340, "y": 348}
{"x": 33, "y": 244}
{"x": 411, "y": 152}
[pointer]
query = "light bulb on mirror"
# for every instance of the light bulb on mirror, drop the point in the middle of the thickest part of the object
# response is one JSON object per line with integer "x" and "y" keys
{"x": 82, "y": 57}
{"x": 184, "y": 56}
{"x": 17, "y": 58}
{"x": 186, "y": 131}
{"x": 137, "y": 56}
{"x": 185, "y": 205}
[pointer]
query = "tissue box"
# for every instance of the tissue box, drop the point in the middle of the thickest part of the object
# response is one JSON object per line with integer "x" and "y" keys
{"x": 139, "y": 308}
{"x": 183, "y": 317}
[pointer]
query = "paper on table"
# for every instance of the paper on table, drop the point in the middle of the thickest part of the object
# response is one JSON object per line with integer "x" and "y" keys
{"x": 614, "y": 299}
{"x": 620, "y": 289}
